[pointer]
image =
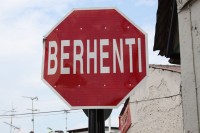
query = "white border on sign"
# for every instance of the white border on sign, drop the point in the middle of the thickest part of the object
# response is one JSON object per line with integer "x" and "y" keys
{"x": 141, "y": 84}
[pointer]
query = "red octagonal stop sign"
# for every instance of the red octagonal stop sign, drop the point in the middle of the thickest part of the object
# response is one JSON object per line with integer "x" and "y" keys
{"x": 94, "y": 58}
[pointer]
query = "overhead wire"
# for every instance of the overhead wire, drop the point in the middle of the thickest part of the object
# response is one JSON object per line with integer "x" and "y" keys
{"x": 37, "y": 114}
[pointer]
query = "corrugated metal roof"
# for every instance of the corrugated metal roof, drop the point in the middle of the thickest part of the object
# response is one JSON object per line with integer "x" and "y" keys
{"x": 167, "y": 36}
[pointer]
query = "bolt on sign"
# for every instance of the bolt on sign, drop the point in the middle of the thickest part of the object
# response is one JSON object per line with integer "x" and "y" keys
{"x": 94, "y": 58}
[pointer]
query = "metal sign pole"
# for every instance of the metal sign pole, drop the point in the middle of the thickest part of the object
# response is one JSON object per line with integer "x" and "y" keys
{"x": 100, "y": 121}
{"x": 96, "y": 122}
{"x": 92, "y": 120}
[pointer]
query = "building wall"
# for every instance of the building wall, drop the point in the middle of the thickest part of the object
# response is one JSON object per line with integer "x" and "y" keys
{"x": 189, "y": 34}
{"x": 171, "y": 102}
{"x": 156, "y": 107}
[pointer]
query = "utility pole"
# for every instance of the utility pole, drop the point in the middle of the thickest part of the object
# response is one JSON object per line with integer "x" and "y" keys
{"x": 11, "y": 117}
{"x": 12, "y": 126}
{"x": 33, "y": 110}
{"x": 66, "y": 111}
{"x": 109, "y": 124}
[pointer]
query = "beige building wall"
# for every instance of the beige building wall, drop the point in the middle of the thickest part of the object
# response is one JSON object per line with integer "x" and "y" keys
{"x": 171, "y": 101}
{"x": 157, "y": 107}
{"x": 189, "y": 34}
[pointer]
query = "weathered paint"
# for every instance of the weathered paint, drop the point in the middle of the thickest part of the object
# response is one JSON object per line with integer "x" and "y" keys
{"x": 189, "y": 22}
{"x": 182, "y": 3}
{"x": 157, "y": 108}
{"x": 160, "y": 83}
{"x": 195, "y": 17}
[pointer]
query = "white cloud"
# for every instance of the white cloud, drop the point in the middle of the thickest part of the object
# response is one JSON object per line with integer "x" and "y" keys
{"x": 24, "y": 22}
{"x": 22, "y": 26}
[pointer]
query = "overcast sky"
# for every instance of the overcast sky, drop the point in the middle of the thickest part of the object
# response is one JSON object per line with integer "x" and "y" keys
{"x": 23, "y": 23}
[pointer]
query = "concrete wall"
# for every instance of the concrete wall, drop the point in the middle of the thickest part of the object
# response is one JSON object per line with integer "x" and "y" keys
{"x": 157, "y": 107}
{"x": 189, "y": 34}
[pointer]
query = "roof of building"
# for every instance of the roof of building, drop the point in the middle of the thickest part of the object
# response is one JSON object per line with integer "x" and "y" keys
{"x": 173, "y": 68}
{"x": 166, "y": 38}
